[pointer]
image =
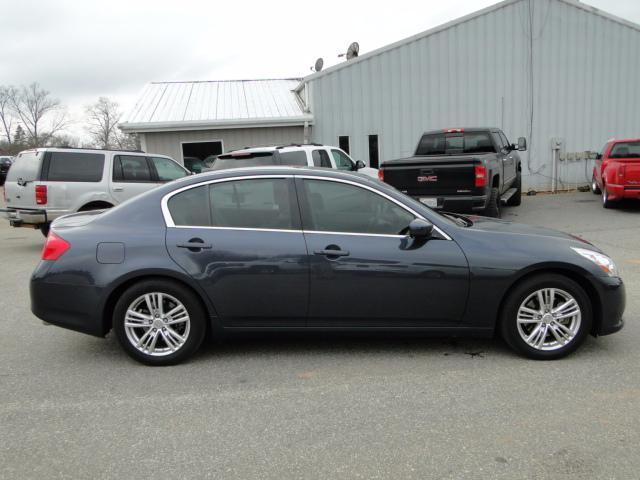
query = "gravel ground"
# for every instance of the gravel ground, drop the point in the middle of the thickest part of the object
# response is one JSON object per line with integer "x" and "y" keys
{"x": 73, "y": 406}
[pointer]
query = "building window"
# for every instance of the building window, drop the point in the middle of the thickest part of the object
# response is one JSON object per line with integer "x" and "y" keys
{"x": 343, "y": 143}
{"x": 374, "y": 159}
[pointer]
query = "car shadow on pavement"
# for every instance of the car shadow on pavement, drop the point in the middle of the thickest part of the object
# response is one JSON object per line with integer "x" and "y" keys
{"x": 349, "y": 344}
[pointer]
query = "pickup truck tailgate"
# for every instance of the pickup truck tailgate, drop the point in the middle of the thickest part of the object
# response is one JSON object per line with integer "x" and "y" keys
{"x": 433, "y": 178}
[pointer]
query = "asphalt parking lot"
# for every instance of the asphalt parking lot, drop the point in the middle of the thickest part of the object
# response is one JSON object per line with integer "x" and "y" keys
{"x": 74, "y": 406}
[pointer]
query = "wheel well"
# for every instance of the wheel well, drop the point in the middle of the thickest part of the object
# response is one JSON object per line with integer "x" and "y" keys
{"x": 586, "y": 286}
{"x": 495, "y": 183}
{"x": 97, "y": 205}
{"x": 110, "y": 304}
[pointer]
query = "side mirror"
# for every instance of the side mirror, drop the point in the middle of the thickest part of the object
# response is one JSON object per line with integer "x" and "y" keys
{"x": 522, "y": 144}
{"x": 419, "y": 228}
{"x": 360, "y": 164}
{"x": 598, "y": 156}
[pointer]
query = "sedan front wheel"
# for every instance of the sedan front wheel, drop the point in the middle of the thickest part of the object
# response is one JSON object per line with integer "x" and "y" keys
{"x": 546, "y": 317}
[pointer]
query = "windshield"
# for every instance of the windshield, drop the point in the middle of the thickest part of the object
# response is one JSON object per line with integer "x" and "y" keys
{"x": 240, "y": 160}
{"x": 626, "y": 150}
{"x": 455, "y": 143}
{"x": 26, "y": 166}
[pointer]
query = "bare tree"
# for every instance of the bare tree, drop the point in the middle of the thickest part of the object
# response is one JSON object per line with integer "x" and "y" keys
{"x": 102, "y": 122}
{"x": 40, "y": 115}
{"x": 6, "y": 116}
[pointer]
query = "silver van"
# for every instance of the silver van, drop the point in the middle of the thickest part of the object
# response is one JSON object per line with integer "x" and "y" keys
{"x": 46, "y": 183}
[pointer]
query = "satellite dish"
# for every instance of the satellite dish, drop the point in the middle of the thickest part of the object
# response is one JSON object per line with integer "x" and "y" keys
{"x": 319, "y": 64}
{"x": 352, "y": 51}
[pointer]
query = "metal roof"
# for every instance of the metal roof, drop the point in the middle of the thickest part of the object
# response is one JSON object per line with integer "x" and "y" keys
{"x": 216, "y": 104}
{"x": 485, "y": 11}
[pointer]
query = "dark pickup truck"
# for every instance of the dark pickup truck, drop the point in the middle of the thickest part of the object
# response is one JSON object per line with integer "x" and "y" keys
{"x": 460, "y": 170}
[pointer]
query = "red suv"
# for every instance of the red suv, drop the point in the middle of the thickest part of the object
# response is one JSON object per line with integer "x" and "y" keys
{"x": 616, "y": 173}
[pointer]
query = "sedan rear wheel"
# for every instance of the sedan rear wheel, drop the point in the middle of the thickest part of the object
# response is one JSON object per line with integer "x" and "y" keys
{"x": 159, "y": 322}
{"x": 546, "y": 317}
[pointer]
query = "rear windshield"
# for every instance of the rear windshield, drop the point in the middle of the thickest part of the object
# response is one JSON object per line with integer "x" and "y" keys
{"x": 626, "y": 150}
{"x": 74, "y": 167}
{"x": 455, "y": 143}
{"x": 240, "y": 160}
{"x": 26, "y": 166}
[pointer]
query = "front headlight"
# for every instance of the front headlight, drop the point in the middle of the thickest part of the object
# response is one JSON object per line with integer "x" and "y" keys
{"x": 605, "y": 263}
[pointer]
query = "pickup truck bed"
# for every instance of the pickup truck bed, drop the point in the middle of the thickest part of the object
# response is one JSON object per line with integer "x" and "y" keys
{"x": 459, "y": 170}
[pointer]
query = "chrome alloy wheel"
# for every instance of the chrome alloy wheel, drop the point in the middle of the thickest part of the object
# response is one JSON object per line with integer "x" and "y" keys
{"x": 549, "y": 319}
{"x": 157, "y": 324}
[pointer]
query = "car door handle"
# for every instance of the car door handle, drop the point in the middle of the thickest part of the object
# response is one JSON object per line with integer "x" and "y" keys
{"x": 332, "y": 253}
{"x": 195, "y": 246}
{"x": 118, "y": 189}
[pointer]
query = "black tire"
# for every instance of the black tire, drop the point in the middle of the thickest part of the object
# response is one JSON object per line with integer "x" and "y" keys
{"x": 197, "y": 319}
{"x": 493, "y": 207}
{"x": 516, "y": 198}
{"x": 509, "y": 315}
{"x": 44, "y": 228}
{"x": 606, "y": 203}
{"x": 594, "y": 186}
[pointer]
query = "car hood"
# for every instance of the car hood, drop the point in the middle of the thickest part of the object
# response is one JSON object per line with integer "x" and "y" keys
{"x": 510, "y": 228}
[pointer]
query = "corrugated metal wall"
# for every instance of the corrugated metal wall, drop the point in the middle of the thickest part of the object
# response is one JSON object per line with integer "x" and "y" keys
{"x": 581, "y": 81}
{"x": 169, "y": 143}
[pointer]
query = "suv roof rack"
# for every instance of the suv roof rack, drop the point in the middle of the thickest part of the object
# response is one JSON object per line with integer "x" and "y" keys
{"x": 300, "y": 145}
{"x": 97, "y": 149}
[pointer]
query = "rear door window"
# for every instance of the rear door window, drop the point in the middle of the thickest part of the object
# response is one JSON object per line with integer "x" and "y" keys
{"x": 167, "y": 169}
{"x": 131, "y": 168}
{"x": 294, "y": 158}
{"x": 259, "y": 203}
{"x": 189, "y": 208}
{"x": 321, "y": 159}
{"x": 74, "y": 167}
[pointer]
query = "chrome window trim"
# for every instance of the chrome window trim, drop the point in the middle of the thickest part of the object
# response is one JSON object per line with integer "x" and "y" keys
{"x": 170, "y": 223}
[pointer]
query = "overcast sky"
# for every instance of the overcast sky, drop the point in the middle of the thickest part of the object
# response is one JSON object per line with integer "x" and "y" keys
{"x": 82, "y": 49}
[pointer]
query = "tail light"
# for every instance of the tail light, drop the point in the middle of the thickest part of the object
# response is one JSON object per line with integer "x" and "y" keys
{"x": 381, "y": 175}
{"x": 54, "y": 247}
{"x": 622, "y": 171}
{"x": 481, "y": 176}
{"x": 41, "y": 194}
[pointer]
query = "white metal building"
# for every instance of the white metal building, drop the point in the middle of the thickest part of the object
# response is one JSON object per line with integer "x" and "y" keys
{"x": 199, "y": 119}
{"x": 559, "y": 72}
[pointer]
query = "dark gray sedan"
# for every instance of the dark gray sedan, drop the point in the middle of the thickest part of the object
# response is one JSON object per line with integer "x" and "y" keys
{"x": 311, "y": 249}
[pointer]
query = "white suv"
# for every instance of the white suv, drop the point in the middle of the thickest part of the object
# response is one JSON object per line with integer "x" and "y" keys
{"x": 308, "y": 155}
{"x": 46, "y": 183}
